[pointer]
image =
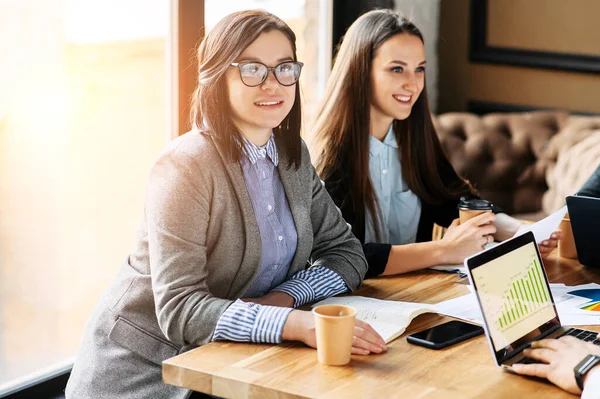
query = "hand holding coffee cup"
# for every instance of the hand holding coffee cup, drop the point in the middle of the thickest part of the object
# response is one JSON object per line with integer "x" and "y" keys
{"x": 465, "y": 239}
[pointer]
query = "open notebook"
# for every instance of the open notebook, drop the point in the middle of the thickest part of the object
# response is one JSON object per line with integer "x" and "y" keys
{"x": 388, "y": 318}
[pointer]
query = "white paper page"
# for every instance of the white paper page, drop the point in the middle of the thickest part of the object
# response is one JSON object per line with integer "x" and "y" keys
{"x": 579, "y": 320}
{"x": 388, "y": 318}
{"x": 569, "y": 305}
{"x": 545, "y": 227}
{"x": 464, "y": 307}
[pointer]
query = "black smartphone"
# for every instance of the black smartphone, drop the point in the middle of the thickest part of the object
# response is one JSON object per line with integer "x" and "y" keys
{"x": 444, "y": 335}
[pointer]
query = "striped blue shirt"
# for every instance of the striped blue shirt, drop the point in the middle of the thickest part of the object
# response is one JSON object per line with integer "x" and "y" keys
{"x": 250, "y": 322}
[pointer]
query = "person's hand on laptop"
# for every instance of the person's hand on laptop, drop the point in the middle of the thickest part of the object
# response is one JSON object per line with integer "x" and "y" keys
{"x": 560, "y": 356}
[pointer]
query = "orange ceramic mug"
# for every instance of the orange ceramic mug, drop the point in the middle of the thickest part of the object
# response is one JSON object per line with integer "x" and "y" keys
{"x": 334, "y": 326}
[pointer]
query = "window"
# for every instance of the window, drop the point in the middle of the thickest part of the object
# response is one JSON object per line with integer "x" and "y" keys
{"x": 85, "y": 108}
{"x": 83, "y": 115}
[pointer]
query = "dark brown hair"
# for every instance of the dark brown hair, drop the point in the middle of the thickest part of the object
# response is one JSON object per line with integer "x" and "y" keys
{"x": 342, "y": 128}
{"x": 211, "y": 111}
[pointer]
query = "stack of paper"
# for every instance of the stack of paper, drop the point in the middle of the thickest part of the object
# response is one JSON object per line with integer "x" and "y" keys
{"x": 577, "y": 305}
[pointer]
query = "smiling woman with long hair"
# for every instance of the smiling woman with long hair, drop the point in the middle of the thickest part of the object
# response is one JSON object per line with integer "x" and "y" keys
{"x": 233, "y": 213}
{"x": 381, "y": 160}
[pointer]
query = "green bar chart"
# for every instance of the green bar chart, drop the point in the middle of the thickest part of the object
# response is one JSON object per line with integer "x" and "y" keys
{"x": 513, "y": 294}
{"x": 523, "y": 297}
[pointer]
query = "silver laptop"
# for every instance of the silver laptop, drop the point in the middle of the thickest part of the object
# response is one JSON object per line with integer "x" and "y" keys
{"x": 514, "y": 296}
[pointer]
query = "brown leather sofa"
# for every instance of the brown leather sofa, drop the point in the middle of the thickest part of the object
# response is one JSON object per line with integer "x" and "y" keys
{"x": 507, "y": 156}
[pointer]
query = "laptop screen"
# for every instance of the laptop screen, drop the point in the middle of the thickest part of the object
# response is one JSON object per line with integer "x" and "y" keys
{"x": 514, "y": 294}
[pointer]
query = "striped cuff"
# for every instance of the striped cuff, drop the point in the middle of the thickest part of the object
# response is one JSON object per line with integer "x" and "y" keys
{"x": 251, "y": 322}
{"x": 312, "y": 284}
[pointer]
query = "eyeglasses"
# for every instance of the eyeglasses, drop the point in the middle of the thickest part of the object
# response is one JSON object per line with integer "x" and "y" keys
{"x": 255, "y": 73}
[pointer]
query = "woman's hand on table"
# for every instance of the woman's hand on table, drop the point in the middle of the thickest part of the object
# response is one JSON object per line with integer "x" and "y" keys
{"x": 300, "y": 326}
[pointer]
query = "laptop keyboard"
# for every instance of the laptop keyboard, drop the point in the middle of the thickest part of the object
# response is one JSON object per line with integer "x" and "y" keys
{"x": 584, "y": 335}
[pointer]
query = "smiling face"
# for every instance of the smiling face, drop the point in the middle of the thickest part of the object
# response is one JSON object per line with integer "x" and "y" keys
{"x": 397, "y": 78}
{"x": 257, "y": 110}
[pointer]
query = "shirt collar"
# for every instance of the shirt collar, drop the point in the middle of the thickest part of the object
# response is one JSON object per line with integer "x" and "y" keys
{"x": 376, "y": 146}
{"x": 255, "y": 152}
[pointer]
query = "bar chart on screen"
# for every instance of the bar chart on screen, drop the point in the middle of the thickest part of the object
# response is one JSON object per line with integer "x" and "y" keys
{"x": 525, "y": 295}
{"x": 514, "y": 295}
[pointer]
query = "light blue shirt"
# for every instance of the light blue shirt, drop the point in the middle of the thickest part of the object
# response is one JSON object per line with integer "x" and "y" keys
{"x": 400, "y": 207}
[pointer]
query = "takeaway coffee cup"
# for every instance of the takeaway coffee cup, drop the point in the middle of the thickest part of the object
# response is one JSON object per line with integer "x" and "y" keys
{"x": 471, "y": 207}
{"x": 334, "y": 328}
{"x": 566, "y": 245}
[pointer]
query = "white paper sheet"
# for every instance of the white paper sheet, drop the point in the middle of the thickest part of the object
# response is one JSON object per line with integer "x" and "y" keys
{"x": 545, "y": 227}
{"x": 464, "y": 307}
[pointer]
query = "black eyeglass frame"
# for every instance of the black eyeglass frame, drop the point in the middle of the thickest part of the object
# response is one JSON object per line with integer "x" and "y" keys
{"x": 239, "y": 66}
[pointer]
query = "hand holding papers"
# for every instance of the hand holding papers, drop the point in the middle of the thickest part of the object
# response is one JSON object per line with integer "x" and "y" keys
{"x": 545, "y": 227}
{"x": 542, "y": 230}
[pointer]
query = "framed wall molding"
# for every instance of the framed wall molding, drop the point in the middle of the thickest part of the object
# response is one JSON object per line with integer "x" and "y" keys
{"x": 481, "y": 52}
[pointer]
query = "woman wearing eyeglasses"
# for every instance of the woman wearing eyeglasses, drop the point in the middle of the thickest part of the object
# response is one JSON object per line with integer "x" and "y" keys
{"x": 233, "y": 214}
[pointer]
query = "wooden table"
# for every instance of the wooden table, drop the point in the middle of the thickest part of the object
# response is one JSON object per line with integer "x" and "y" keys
{"x": 291, "y": 370}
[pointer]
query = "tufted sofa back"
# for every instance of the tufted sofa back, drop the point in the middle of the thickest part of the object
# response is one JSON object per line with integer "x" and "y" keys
{"x": 503, "y": 155}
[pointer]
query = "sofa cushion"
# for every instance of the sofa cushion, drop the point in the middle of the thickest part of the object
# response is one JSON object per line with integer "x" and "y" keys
{"x": 574, "y": 166}
{"x": 502, "y": 154}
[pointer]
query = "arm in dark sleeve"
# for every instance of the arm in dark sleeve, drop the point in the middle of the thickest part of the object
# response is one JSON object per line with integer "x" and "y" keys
{"x": 591, "y": 188}
{"x": 377, "y": 258}
{"x": 377, "y": 254}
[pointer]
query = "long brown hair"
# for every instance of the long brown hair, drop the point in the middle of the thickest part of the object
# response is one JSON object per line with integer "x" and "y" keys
{"x": 342, "y": 128}
{"x": 211, "y": 111}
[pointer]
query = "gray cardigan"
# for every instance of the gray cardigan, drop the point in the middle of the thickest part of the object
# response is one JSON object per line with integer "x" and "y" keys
{"x": 198, "y": 250}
